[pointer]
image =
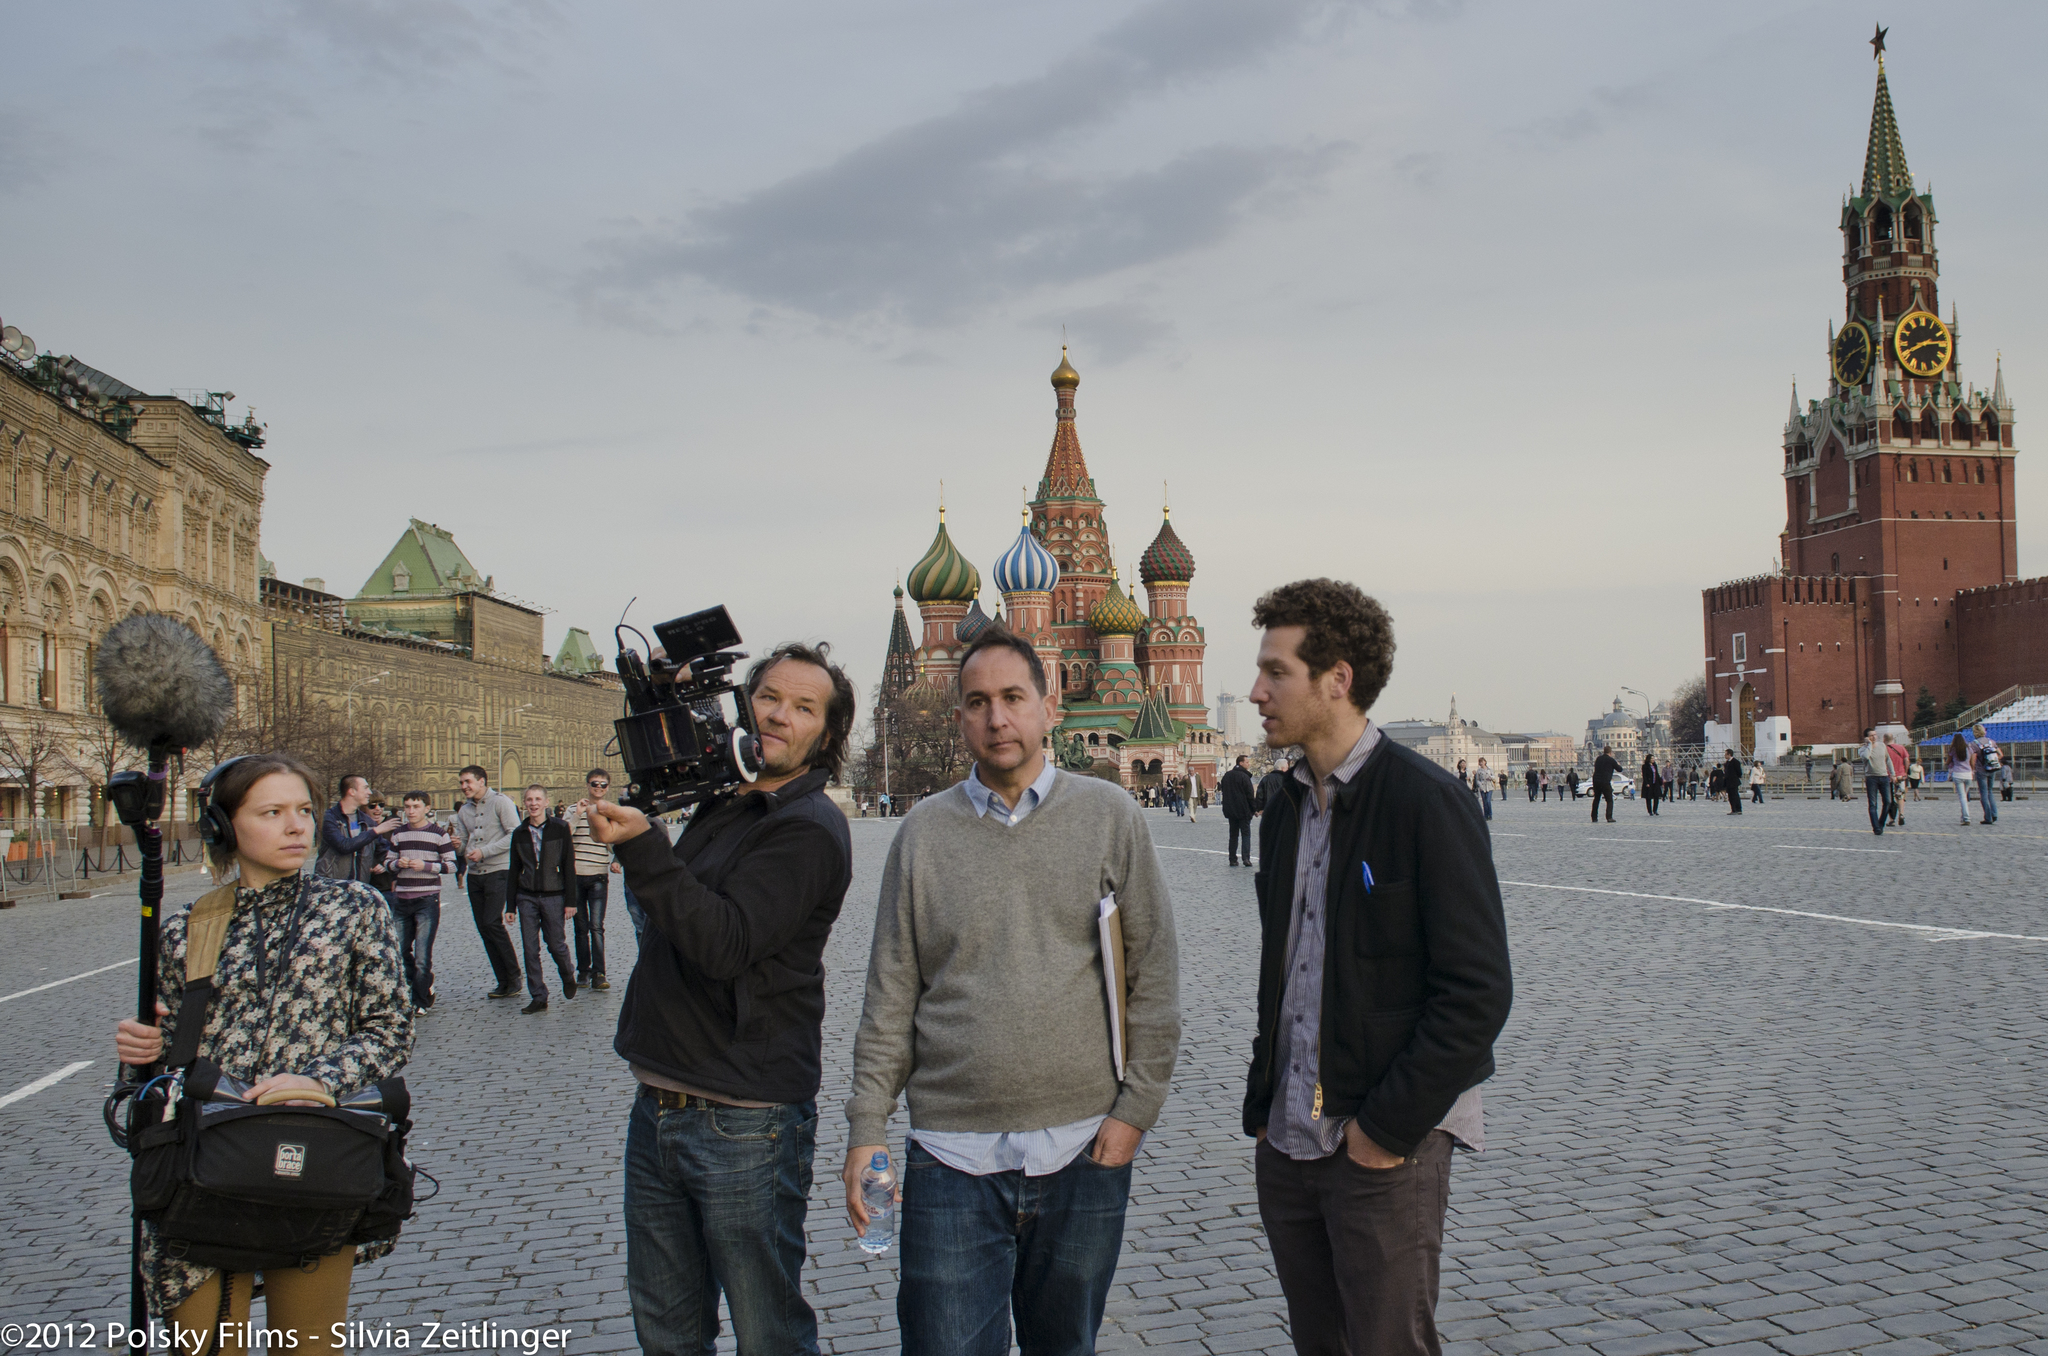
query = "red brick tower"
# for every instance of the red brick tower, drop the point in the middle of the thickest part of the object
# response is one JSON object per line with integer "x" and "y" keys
{"x": 1898, "y": 494}
{"x": 1173, "y": 641}
{"x": 1067, "y": 517}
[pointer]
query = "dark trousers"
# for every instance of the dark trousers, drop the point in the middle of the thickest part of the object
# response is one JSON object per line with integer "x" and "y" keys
{"x": 1240, "y": 831}
{"x": 715, "y": 1201}
{"x": 487, "y": 907}
{"x": 418, "y": 920}
{"x": 1358, "y": 1250}
{"x": 1734, "y": 790}
{"x": 1603, "y": 791}
{"x": 592, "y": 893}
{"x": 540, "y": 916}
{"x": 636, "y": 914}
{"x": 1532, "y": 794}
{"x": 978, "y": 1251}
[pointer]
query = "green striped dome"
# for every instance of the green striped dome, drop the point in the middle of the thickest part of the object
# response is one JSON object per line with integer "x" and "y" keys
{"x": 944, "y": 575}
{"x": 1116, "y": 615}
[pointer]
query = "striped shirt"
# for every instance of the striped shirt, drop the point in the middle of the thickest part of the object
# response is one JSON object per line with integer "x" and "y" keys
{"x": 429, "y": 843}
{"x": 592, "y": 857}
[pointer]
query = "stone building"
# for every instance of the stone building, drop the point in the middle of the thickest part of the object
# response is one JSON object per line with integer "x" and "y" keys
{"x": 119, "y": 502}
{"x": 1454, "y": 739}
{"x": 1899, "y": 567}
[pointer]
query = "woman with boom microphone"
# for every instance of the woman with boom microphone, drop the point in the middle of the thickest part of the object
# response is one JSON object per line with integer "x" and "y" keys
{"x": 310, "y": 997}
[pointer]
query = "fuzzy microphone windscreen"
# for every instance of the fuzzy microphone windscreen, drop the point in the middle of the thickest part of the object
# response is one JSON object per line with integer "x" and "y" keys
{"x": 158, "y": 682}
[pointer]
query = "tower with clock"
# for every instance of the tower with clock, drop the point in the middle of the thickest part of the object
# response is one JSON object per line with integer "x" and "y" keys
{"x": 1899, "y": 509}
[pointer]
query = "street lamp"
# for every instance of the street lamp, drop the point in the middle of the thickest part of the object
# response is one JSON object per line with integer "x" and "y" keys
{"x": 501, "y": 740}
{"x": 349, "y": 698}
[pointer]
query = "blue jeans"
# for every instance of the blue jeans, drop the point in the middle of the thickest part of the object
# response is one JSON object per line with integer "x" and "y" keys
{"x": 715, "y": 1199}
{"x": 978, "y": 1249}
{"x": 591, "y": 895}
{"x": 1486, "y": 799}
{"x": 1987, "y": 795}
{"x": 418, "y": 921}
{"x": 1879, "y": 792}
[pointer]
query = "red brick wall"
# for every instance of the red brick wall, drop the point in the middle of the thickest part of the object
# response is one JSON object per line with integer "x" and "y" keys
{"x": 2002, "y": 633}
{"x": 1818, "y": 678}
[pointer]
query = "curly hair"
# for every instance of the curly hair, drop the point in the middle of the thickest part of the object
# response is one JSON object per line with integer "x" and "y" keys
{"x": 1343, "y": 625}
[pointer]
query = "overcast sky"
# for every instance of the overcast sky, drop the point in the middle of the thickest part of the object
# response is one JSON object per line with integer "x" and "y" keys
{"x": 1490, "y": 307}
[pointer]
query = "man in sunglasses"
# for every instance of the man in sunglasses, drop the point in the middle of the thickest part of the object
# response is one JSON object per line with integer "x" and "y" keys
{"x": 594, "y": 867}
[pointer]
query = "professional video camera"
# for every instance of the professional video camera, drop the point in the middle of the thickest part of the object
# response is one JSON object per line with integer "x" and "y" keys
{"x": 689, "y": 731}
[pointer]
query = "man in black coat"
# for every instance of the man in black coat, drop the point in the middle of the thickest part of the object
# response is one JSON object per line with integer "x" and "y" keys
{"x": 542, "y": 894}
{"x": 1383, "y": 981}
{"x": 1269, "y": 786}
{"x": 1731, "y": 781}
{"x": 1604, "y": 768}
{"x": 1530, "y": 777}
{"x": 1237, "y": 790}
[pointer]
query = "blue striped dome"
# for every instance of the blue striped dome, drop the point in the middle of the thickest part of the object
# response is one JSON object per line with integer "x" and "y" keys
{"x": 1027, "y": 567}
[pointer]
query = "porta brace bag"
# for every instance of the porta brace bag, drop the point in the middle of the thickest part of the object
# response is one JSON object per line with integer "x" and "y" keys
{"x": 246, "y": 1187}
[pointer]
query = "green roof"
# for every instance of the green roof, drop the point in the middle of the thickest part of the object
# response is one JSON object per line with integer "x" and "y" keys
{"x": 578, "y": 654}
{"x": 1884, "y": 164}
{"x": 424, "y": 561}
{"x": 1154, "y": 725}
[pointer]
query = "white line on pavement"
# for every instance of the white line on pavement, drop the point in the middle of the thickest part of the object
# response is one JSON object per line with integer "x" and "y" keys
{"x": 1603, "y": 838}
{"x": 1802, "y": 847}
{"x": 8, "y": 998}
{"x": 1213, "y": 852}
{"x": 1934, "y": 933}
{"x": 45, "y": 1081}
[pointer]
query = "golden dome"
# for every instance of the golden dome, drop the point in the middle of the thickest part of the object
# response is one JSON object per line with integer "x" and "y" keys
{"x": 1064, "y": 375}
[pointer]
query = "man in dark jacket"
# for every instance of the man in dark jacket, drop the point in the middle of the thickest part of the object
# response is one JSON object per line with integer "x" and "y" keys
{"x": 722, "y": 1024}
{"x": 543, "y": 894}
{"x": 1604, "y": 768}
{"x": 348, "y": 836}
{"x": 1383, "y": 981}
{"x": 1531, "y": 778}
{"x": 1269, "y": 786}
{"x": 1731, "y": 781}
{"x": 1237, "y": 790}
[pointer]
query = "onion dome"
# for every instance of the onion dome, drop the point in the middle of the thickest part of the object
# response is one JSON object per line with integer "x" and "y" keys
{"x": 1027, "y": 567}
{"x": 1064, "y": 375}
{"x": 943, "y": 575}
{"x": 926, "y": 695}
{"x": 973, "y": 624}
{"x": 1167, "y": 560}
{"x": 1116, "y": 615}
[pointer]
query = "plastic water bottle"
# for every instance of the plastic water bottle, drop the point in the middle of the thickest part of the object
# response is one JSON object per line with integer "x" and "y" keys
{"x": 878, "y": 1193}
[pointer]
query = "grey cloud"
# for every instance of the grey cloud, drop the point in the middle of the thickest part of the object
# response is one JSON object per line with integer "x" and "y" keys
{"x": 933, "y": 220}
{"x": 30, "y": 152}
{"x": 1112, "y": 332}
{"x": 1601, "y": 110}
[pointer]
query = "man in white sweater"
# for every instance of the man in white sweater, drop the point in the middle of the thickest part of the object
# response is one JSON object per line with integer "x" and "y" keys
{"x": 986, "y": 1003}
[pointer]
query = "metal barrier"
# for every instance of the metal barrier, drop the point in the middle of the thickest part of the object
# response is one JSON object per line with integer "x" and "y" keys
{"x": 43, "y": 859}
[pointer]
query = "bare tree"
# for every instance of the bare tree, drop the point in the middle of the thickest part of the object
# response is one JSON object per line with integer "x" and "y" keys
{"x": 96, "y": 755}
{"x": 33, "y": 748}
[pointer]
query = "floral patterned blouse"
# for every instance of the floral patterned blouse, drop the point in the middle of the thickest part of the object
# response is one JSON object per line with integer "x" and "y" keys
{"x": 332, "y": 1005}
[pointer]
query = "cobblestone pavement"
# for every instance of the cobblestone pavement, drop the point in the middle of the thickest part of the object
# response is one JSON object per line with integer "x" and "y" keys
{"x": 1771, "y": 1085}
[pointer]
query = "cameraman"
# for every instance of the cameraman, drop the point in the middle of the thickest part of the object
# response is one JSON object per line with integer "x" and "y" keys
{"x": 722, "y": 1021}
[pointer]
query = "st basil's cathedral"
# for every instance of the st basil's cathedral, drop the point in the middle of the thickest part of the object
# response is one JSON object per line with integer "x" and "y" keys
{"x": 1129, "y": 681}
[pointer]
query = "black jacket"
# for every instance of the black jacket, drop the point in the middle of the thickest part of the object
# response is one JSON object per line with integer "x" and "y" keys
{"x": 1604, "y": 768}
{"x": 1416, "y": 982}
{"x": 1236, "y": 786}
{"x": 555, "y": 872}
{"x": 729, "y": 991}
{"x": 346, "y": 854}
{"x": 1269, "y": 789}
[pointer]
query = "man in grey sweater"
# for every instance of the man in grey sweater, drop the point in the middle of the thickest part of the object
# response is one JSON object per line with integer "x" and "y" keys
{"x": 986, "y": 1002}
{"x": 483, "y": 832}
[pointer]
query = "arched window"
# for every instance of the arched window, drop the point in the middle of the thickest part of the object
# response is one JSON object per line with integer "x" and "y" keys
{"x": 1913, "y": 223}
{"x": 1964, "y": 432}
{"x": 1835, "y": 563}
{"x": 1947, "y": 476}
{"x": 1880, "y": 223}
{"x": 1913, "y": 470}
{"x": 1930, "y": 428}
{"x": 1980, "y": 473}
{"x": 1990, "y": 428}
{"x": 1855, "y": 234}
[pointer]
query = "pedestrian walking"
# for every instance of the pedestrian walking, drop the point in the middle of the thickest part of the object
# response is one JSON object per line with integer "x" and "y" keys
{"x": 1731, "y": 781}
{"x": 1237, "y": 792}
{"x": 1269, "y": 786}
{"x": 348, "y": 836}
{"x": 422, "y": 855}
{"x": 1604, "y": 768}
{"x": 595, "y": 868}
{"x": 483, "y": 832}
{"x": 720, "y": 1139}
{"x": 1961, "y": 772}
{"x": 1019, "y": 1156}
{"x": 1756, "y": 781}
{"x": 1543, "y": 786}
{"x": 1571, "y": 780}
{"x": 1652, "y": 786}
{"x": 309, "y": 998}
{"x": 1987, "y": 759}
{"x": 1877, "y": 779}
{"x": 1916, "y": 773}
{"x": 1901, "y": 763}
{"x": 1370, "y": 1051}
{"x": 1198, "y": 796}
{"x": 1529, "y": 776}
{"x": 1482, "y": 782}
{"x": 543, "y": 871}
{"x": 1464, "y": 776}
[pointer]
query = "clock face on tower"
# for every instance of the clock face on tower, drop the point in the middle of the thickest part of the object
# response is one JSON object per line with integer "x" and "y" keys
{"x": 1923, "y": 343}
{"x": 1852, "y": 353}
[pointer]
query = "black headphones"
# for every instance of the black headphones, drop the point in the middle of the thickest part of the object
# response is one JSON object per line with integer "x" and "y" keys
{"x": 216, "y": 827}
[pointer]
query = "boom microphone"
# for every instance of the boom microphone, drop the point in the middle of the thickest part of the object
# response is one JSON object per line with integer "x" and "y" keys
{"x": 160, "y": 685}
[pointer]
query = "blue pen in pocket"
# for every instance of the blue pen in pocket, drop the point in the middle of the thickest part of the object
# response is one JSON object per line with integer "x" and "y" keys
{"x": 1366, "y": 868}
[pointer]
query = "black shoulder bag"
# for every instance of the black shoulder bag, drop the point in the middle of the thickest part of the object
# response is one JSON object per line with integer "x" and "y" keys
{"x": 250, "y": 1187}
